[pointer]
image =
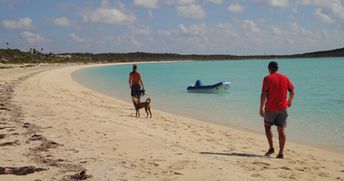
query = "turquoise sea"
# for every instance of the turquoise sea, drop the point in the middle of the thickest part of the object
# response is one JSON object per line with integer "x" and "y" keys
{"x": 316, "y": 116}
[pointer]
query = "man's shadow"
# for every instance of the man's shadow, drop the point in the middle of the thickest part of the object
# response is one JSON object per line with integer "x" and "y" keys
{"x": 232, "y": 154}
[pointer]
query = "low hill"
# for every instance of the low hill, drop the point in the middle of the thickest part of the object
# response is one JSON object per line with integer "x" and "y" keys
{"x": 328, "y": 53}
{"x": 34, "y": 56}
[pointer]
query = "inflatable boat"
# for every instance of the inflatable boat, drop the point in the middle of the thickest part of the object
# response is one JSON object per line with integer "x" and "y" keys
{"x": 219, "y": 87}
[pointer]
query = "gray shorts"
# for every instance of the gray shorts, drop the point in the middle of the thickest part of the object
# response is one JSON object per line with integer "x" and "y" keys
{"x": 278, "y": 118}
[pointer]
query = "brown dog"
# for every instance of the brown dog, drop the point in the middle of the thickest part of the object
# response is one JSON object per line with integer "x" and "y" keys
{"x": 139, "y": 105}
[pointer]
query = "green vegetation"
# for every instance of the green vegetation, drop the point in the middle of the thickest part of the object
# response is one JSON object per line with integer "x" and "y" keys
{"x": 142, "y": 56}
{"x": 34, "y": 56}
{"x": 16, "y": 56}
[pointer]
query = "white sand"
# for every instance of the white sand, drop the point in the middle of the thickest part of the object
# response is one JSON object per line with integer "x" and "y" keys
{"x": 79, "y": 129}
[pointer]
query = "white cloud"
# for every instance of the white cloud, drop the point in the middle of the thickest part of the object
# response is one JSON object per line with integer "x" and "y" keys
{"x": 165, "y": 32}
{"x": 216, "y": 1}
{"x": 276, "y": 30}
{"x": 130, "y": 40}
{"x": 324, "y": 34}
{"x": 191, "y": 11}
{"x": 147, "y": 3}
{"x": 181, "y": 2}
{"x": 22, "y": 23}
{"x": 32, "y": 38}
{"x": 143, "y": 30}
{"x": 331, "y": 6}
{"x": 299, "y": 30}
{"x": 323, "y": 17}
{"x": 251, "y": 26}
{"x": 235, "y": 8}
{"x": 107, "y": 16}
{"x": 275, "y": 3}
{"x": 150, "y": 14}
{"x": 76, "y": 38}
{"x": 194, "y": 30}
{"x": 14, "y": 3}
{"x": 226, "y": 29}
{"x": 192, "y": 36}
{"x": 105, "y": 3}
{"x": 62, "y": 21}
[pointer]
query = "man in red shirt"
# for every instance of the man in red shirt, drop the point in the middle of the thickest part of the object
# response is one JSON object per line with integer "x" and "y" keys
{"x": 274, "y": 98}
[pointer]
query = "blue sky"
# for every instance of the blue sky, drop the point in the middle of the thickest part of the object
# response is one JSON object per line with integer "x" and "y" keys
{"x": 240, "y": 27}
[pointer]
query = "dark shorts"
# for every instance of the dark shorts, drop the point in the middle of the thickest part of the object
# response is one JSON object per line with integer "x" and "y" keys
{"x": 278, "y": 118}
{"x": 136, "y": 90}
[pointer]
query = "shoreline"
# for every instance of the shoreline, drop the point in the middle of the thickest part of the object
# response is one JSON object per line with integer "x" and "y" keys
{"x": 65, "y": 128}
{"x": 339, "y": 149}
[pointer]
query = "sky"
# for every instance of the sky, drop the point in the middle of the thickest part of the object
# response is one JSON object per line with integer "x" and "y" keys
{"x": 237, "y": 27}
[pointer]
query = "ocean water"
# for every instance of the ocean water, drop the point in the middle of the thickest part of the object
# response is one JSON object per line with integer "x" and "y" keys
{"x": 316, "y": 116}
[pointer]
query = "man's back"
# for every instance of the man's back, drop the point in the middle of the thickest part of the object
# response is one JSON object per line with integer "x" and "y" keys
{"x": 135, "y": 77}
{"x": 276, "y": 85}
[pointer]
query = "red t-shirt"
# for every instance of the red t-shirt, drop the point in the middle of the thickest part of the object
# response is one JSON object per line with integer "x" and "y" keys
{"x": 276, "y": 85}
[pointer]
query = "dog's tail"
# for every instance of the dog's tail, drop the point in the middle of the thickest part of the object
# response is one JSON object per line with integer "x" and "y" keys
{"x": 148, "y": 100}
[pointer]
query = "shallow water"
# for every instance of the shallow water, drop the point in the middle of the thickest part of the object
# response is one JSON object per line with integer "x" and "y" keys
{"x": 316, "y": 116}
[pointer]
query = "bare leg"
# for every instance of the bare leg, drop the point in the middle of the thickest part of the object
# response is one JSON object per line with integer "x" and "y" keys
{"x": 268, "y": 134}
{"x": 282, "y": 139}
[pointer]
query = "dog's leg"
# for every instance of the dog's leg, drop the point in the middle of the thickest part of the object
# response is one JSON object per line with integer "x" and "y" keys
{"x": 146, "y": 111}
{"x": 149, "y": 112}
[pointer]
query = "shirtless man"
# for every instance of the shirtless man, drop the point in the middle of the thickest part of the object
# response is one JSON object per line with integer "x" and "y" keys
{"x": 135, "y": 83}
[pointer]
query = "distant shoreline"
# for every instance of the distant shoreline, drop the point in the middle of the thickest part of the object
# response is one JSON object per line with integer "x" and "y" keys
{"x": 18, "y": 56}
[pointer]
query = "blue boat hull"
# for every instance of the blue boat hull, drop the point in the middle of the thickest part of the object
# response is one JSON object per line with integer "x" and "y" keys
{"x": 215, "y": 88}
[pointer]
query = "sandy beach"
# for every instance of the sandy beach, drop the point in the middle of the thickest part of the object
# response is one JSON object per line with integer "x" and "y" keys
{"x": 52, "y": 128}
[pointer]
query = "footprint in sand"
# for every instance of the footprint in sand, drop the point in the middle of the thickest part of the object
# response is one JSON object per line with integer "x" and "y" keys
{"x": 128, "y": 164}
{"x": 323, "y": 174}
{"x": 5, "y": 127}
{"x": 285, "y": 168}
{"x": 26, "y": 125}
{"x": 315, "y": 168}
{"x": 261, "y": 165}
{"x": 287, "y": 176}
{"x": 36, "y": 137}
{"x": 304, "y": 169}
{"x": 180, "y": 165}
{"x": 256, "y": 175}
{"x": 11, "y": 143}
